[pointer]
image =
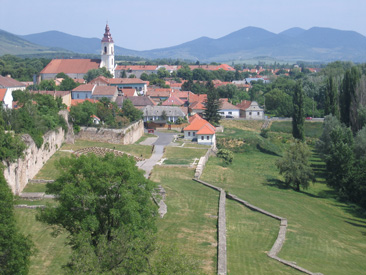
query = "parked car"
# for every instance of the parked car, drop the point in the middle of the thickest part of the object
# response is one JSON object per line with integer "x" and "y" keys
{"x": 309, "y": 118}
{"x": 229, "y": 116}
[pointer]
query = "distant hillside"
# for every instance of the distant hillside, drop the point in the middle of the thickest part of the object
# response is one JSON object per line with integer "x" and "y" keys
{"x": 315, "y": 44}
{"x": 72, "y": 43}
{"x": 12, "y": 44}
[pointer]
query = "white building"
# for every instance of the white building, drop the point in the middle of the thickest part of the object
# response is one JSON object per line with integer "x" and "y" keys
{"x": 7, "y": 86}
{"x": 250, "y": 110}
{"x": 229, "y": 110}
{"x": 107, "y": 54}
{"x": 200, "y": 130}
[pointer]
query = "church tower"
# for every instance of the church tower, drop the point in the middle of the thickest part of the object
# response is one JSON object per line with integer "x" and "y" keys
{"x": 107, "y": 59}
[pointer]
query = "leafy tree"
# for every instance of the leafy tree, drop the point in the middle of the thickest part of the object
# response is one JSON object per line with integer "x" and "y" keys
{"x": 212, "y": 105}
{"x": 131, "y": 111}
{"x": 132, "y": 76}
{"x": 298, "y": 117}
{"x": 324, "y": 143}
{"x": 144, "y": 76}
{"x": 295, "y": 167}
{"x": 331, "y": 99}
{"x": 81, "y": 114}
{"x": 94, "y": 73}
{"x": 279, "y": 103}
{"x": 47, "y": 85}
{"x": 226, "y": 155}
{"x": 123, "y": 74}
{"x": 185, "y": 72}
{"x": 105, "y": 205}
{"x": 360, "y": 144}
{"x": 68, "y": 84}
{"x": 62, "y": 75}
{"x": 162, "y": 73}
{"x": 15, "y": 248}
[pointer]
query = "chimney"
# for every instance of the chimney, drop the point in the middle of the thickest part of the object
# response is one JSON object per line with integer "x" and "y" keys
{"x": 8, "y": 75}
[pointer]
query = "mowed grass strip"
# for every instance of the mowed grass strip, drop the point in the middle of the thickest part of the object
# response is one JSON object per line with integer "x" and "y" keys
{"x": 192, "y": 215}
{"x": 179, "y": 155}
{"x": 322, "y": 236}
{"x": 249, "y": 125}
{"x": 133, "y": 149}
{"x": 52, "y": 252}
{"x": 248, "y": 255}
{"x": 312, "y": 129}
{"x": 48, "y": 171}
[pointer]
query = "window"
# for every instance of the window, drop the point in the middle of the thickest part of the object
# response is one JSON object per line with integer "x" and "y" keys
{"x": 105, "y": 49}
{"x": 202, "y": 137}
{"x": 189, "y": 134}
{"x": 250, "y": 113}
{"x": 194, "y": 133}
{"x": 230, "y": 113}
{"x": 258, "y": 113}
{"x": 208, "y": 137}
{"x": 77, "y": 95}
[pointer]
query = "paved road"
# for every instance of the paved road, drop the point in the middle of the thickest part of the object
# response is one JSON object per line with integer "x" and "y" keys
{"x": 163, "y": 140}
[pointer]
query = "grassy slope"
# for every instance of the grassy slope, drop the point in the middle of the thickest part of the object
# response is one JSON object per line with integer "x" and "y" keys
{"x": 192, "y": 215}
{"x": 322, "y": 235}
{"x": 180, "y": 155}
{"x": 52, "y": 252}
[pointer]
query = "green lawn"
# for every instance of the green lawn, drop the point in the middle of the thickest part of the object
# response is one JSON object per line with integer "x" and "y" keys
{"x": 48, "y": 171}
{"x": 192, "y": 215}
{"x": 52, "y": 252}
{"x": 35, "y": 187}
{"x": 312, "y": 129}
{"x": 323, "y": 236}
{"x": 182, "y": 156}
{"x": 133, "y": 149}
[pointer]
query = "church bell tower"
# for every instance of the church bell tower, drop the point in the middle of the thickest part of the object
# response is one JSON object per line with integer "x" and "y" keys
{"x": 107, "y": 55}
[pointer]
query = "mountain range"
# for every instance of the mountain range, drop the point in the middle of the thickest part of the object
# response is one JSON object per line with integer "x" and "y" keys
{"x": 315, "y": 44}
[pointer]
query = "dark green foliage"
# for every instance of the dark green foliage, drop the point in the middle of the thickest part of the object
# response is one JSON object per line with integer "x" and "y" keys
{"x": 331, "y": 99}
{"x": 130, "y": 111}
{"x": 295, "y": 166}
{"x": 67, "y": 84}
{"x": 81, "y": 114}
{"x": 212, "y": 105}
{"x": 105, "y": 204}
{"x": 37, "y": 115}
{"x": 298, "y": 116}
{"x": 94, "y": 73}
{"x": 47, "y": 85}
{"x": 226, "y": 155}
{"x": 11, "y": 146}
{"x": 15, "y": 248}
{"x": 123, "y": 74}
{"x": 279, "y": 103}
{"x": 348, "y": 91}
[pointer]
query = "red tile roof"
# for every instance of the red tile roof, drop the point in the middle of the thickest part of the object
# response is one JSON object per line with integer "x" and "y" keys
{"x": 2, "y": 94}
{"x": 76, "y": 66}
{"x": 78, "y": 101}
{"x": 126, "y": 81}
{"x": 201, "y": 125}
{"x": 84, "y": 88}
{"x": 128, "y": 92}
{"x": 136, "y": 67}
{"x": 245, "y": 104}
{"x": 226, "y": 105}
{"x": 173, "y": 101}
{"x": 197, "y": 105}
{"x": 105, "y": 90}
{"x": 154, "y": 93}
{"x": 8, "y": 82}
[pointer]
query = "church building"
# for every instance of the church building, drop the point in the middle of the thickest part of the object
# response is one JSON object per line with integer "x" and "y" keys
{"x": 77, "y": 68}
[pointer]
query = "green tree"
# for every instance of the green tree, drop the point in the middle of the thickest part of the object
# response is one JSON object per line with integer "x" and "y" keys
{"x": 15, "y": 248}
{"x": 298, "y": 116}
{"x": 295, "y": 167}
{"x": 163, "y": 73}
{"x": 131, "y": 111}
{"x": 226, "y": 155}
{"x": 279, "y": 103}
{"x": 47, "y": 85}
{"x": 331, "y": 98}
{"x": 123, "y": 74}
{"x": 105, "y": 205}
{"x": 68, "y": 84}
{"x": 94, "y": 73}
{"x": 212, "y": 105}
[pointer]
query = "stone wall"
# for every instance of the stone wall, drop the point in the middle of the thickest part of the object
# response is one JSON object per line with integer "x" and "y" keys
{"x": 202, "y": 162}
{"x": 127, "y": 135}
{"x": 19, "y": 172}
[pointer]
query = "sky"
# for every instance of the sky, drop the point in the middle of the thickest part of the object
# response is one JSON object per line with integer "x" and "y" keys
{"x": 151, "y": 24}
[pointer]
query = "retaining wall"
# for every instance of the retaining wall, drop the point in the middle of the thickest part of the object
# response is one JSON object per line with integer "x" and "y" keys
{"x": 18, "y": 173}
{"x": 202, "y": 162}
{"x": 127, "y": 135}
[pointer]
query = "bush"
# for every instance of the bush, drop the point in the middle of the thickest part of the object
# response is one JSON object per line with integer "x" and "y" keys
{"x": 226, "y": 155}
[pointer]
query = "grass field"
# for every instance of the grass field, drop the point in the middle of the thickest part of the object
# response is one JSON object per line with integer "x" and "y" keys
{"x": 192, "y": 215}
{"x": 182, "y": 156}
{"x": 52, "y": 252}
{"x": 323, "y": 235}
{"x": 312, "y": 129}
{"x": 133, "y": 149}
{"x": 248, "y": 125}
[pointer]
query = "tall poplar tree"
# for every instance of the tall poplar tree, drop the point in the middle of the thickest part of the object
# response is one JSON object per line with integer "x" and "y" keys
{"x": 298, "y": 115}
{"x": 212, "y": 105}
{"x": 331, "y": 99}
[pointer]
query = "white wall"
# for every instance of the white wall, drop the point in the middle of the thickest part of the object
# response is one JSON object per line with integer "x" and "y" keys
{"x": 191, "y": 135}
{"x": 210, "y": 141}
{"x": 230, "y": 112}
{"x": 250, "y": 114}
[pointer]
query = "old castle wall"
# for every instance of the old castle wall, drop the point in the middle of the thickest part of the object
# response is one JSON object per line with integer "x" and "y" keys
{"x": 127, "y": 135}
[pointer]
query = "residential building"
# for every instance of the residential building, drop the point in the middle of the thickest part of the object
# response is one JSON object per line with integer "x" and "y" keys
{"x": 250, "y": 110}
{"x": 138, "y": 101}
{"x": 136, "y": 70}
{"x": 200, "y": 130}
{"x": 228, "y": 110}
{"x": 109, "y": 92}
{"x": 173, "y": 101}
{"x": 156, "y": 114}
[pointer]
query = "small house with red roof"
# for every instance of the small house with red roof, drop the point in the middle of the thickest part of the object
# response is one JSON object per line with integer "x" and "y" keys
{"x": 228, "y": 110}
{"x": 200, "y": 130}
{"x": 250, "y": 110}
{"x": 173, "y": 101}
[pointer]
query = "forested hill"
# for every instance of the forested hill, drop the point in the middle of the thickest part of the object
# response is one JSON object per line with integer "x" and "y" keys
{"x": 315, "y": 44}
{"x": 13, "y": 44}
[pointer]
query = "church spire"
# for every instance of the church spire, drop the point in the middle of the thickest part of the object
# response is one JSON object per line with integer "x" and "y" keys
{"x": 107, "y": 35}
